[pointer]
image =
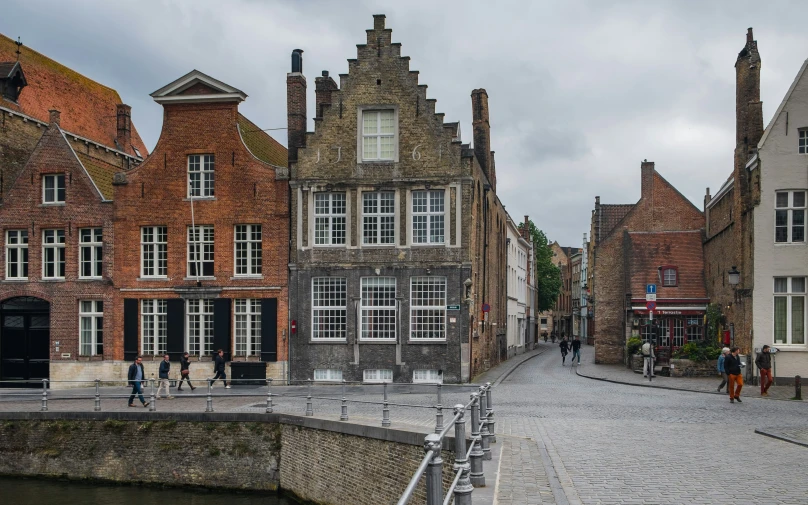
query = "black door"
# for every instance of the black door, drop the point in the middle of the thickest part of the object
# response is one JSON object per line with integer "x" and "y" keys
{"x": 25, "y": 340}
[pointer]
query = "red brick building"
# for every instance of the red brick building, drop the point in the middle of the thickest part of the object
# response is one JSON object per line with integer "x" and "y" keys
{"x": 202, "y": 233}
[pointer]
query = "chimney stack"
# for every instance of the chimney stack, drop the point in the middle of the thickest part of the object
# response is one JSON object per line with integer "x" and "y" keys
{"x": 323, "y": 86}
{"x": 748, "y": 107}
{"x": 296, "y": 106}
{"x": 124, "y": 126}
{"x": 647, "y": 180}
{"x": 54, "y": 117}
{"x": 482, "y": 132}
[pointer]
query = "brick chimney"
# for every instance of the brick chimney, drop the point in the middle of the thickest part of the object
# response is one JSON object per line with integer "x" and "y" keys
{"x": 323, "y": 86}
{"x": 748, "y": 107}
{"x": 296, "y": 106}
{"x": 482, "y": 131}
{"x": 526, "y": 229}
{"x": 647, "y": 181}
{"x": 123, "y": 136}
{"x": 55, "y": 117}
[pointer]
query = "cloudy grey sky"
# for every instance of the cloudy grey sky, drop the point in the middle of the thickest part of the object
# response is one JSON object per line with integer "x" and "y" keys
{"x": 580, "y": 91}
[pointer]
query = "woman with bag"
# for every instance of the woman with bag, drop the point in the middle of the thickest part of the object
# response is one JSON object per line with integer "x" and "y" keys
{"x": 185, "y": 365}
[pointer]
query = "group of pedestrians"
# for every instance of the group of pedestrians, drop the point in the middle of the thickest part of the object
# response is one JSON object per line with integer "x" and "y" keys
{"x": 730, "y": 365}
{"x": 567, "y": 347}
{"x": 137, "y": 376}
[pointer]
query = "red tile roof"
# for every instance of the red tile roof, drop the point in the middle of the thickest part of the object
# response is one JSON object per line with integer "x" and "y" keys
{"x": 610, "y": 216}
{"x": 647, "y": 251}
{"x": 88, "y": 108}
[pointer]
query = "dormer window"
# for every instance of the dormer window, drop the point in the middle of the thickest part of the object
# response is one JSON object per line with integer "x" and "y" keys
{"x": 670, "y": 276}
{"x": 200, "y": 175}
{"x": 12, "y": 80}
{"x": 53, "y": 188}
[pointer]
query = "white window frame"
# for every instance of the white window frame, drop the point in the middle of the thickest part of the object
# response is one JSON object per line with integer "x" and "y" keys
{"x": 247, "y": 326}
{"x": 427, "y": 376}
{"x": 803, "y": 140}
{"x": 248, "y": 250}
{"x": 377, "y": 376}
{"x": 91, "y": 312}
{"x": 377, "y": 308}
{"x": 199, "y": 326}
{"x": 331, "y": 220}
{"x": 94, "y": 250}
{"x": 368, "y": 138}
{"x": 327, "y": 375}
{"x": 56, "y": 244}
{"x": 429, "y": 216}
{"x": 790, "y": 294}
{"x": 154, "y": 252}
{"x": 424, "y": 318}
{"x": 153, "y": 327}
{"x": 332, "y": 310}
{"x": 790, "y": 208}
{"x": 201, "y": 237}
{"x": 19, "y": 246}
{"x": 201, "y": 176}
{"x": 56, "y": 178}
{"x": 373, "y": 223}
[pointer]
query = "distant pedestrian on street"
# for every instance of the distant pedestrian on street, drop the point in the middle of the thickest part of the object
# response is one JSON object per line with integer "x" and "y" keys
{"x": 220, "y": 368}
{"x": 647, "y": 351}
{"x": 136, "y": 378}
{"x": 165, "y": 369}
{"x": 764, "y": 364}
{"x": 732, "y": 364}
{"x": 576, "y": 349}
{"x": 721, "y": 369}
{"x": 185, "y": 371}
{"x": 564, "y": 345}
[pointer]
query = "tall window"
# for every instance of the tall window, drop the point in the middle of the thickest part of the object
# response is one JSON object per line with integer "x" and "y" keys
{"x": 378, "y": 217}
{"x": 670, "y": 276}
{"x": 427, "y": 217}
{"x": 693, "y": 329}
{"x": 91, "y": 324}
{"x": 248, "y": 327}
{"x": 153, "y": 251}
{"x": 804, "y": 141}
{"x": 789, "y": 310}
{"x": 378, "y": 308}
{"x": 248, "y": 249}
{"x": 154, "y": 326}
{"x": 53, "y": 254}
{"x": 17, "y": 254}
{"x": 428, "y": 308}
{"x": 329, "y": 218}
{"x": 200, "y": 327}
{"x": 789, "y": 216}
{"x": 200, "y": 251}
{"x": 329, "y": 310}
{"x": 90, "y": 253}
{"x": 53, "y": 188}
{"x": 378, "y": 135}
{"x": 678, "y": 332}
{"x": 200, "y": 175}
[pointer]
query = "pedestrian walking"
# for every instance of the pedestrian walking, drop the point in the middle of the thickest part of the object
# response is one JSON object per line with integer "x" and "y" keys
{"x": 219, "y": 360}
{"x": 721, "y": 369}
{"x": 564, "y": 345}
{"x": 185, "y": 371}
{"x": 648, "y": 356}
{"x": 732, "y": 364}
{"x": 576, "y": 349}
{"x": 165, "y": 369}
{"x": 136, "y": 378}
{"x": 764, "y": 364}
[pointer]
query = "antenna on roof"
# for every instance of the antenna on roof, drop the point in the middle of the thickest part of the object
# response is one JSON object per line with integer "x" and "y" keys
{"x": 19, "y": 45}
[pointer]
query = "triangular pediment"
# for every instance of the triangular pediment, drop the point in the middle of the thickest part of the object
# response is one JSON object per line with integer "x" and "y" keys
{"x": 196, "y": 86}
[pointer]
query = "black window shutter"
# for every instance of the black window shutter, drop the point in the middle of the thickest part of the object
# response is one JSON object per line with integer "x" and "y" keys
{"x": 175, "y": 328}
{"x": 221, "y": 325}
{"x": 269, "y": 329}
{"x": 129, "y": 329}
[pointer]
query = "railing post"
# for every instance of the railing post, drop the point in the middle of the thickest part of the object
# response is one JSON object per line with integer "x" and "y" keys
{"x": 797, "y": 387}
{"x": 434, "y": 472}
{"x": 269, "y": 396}
{"x": 385, "y": 410}
{"x": 476, "y": 474}
{"x": 485, "y": 435}
{"x": 309, "y": 408}
{"x": 152, "y": 397}
{"x": 439, "y": 412}
{"x": 97, "y": 407}
{"x": 343, "y": 416}
{"x": 462, "y": 492}
{"x": 209, "y": 406}
{"x": 490, "y": 413}
{"x": 44, "y": 407}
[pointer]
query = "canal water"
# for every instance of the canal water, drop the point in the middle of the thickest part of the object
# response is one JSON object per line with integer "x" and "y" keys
{"x": 18, "y": 491}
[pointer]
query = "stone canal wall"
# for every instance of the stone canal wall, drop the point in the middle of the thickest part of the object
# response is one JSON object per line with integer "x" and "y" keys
{"x": 321, "y": 461}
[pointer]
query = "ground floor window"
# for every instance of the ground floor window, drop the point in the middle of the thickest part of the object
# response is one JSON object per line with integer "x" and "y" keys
{"x": 427, "y": 377}
{"x": 153, "y": 326}
{"x": 328, "y": 375}
{"x": 248, "y": 327}
{"x": 789, "y": 310}
{"x": 377, "y": 376}
{"x": 91, "y": 315}
{"x": 428, "y": 308}
{"x": 199, "y": 327}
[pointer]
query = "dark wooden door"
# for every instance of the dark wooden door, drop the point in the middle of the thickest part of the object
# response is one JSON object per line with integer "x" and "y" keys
{"x": 25, "y": 340}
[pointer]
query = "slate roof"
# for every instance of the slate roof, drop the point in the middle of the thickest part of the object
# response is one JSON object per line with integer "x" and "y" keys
{"x": 263, "y": 146}
{"x": 88, "y": 108}
{"x": 611, "y": 215}
{"x": 647, "y": 251}
{"x": 6, "y": 68}
{"x": 101, "y": 173}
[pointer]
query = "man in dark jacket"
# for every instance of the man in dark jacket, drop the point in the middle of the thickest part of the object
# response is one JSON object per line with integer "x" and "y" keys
{"x": 136, "y": 378}
{"x": 576, "y": 350}
{"x": 764, "y": 364}
{"x": 732, "y": 365}
{"x": 165, "y": 369}
{"x": 564, "y": 345}
{"x": 220, "y": 368}
{"x": 185, "y": 371}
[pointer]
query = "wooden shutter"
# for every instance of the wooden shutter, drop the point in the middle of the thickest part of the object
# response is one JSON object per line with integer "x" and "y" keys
{"x": 175, "y": 328}
{"x": 269, "y": 329}
{"x": 221, "y": 325}
{"x": 130, "y": 314}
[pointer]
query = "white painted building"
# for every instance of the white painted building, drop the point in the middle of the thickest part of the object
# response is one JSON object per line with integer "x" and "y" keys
{"x": 518, "y": 251}
{"x": 584, "y": 294}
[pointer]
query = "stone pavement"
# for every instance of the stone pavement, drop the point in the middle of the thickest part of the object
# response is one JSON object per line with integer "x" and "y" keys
{"x": 795, "y": 435}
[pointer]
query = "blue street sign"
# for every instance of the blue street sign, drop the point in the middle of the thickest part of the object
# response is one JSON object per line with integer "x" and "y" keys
{"x": 650, "y": 289}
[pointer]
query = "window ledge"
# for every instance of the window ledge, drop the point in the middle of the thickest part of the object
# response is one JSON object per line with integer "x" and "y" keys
{"x": 16, "y": 280}
{"x": 328, "y": 341}
{"x": 377, "y": 162}
{"x": 200, "y": 199}
{"x": 416, "y": 244}
{"x": 329, "y": 246}
{"x": 790, "y": 348}
{"x": 788, "y": 243}
{"x": 152, "y": 278}
{"x": 378, "y": 246}
{"x": 52, "y": 204}
{"x": 427, "y": 341}
{"x": 203, "y": 278}
{"x": 246, "y": 277}
{"x": 59, "y": 279}
{"x": 385, "y": 341}
{"x": 90, "y": 279}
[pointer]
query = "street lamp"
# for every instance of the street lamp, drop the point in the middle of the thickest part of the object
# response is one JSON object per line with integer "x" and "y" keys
{"x": 734, "y": 277}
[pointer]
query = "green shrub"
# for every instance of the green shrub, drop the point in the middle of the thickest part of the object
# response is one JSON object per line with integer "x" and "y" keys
{"x": 700, "y": 350}
{"x": 633, "y": 345}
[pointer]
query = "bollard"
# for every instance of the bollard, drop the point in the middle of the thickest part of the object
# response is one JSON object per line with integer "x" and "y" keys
{"x": 439, "y": 412}
{"x": 209, "y": 406}
{"x": 476, "y": 474}
{"x": 434, "y": 472}
{"x": 343, "y": 416}
{"x": 97, "y": 395}
{"x": 462, "y": 492}
{"x": 485, "y": 435}
{"x": 153, "y": 403}
{"x": 269, "y": 396}
{"x": 385, "y": 410}
{"x": 309, "y": 408}
{"x": 797, "y": 387}
{"x": 44, "y": 407}
{"x": 490, "y": 413}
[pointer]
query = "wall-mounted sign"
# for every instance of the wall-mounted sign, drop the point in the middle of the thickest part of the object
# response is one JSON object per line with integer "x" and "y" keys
{"x": 486, "y": 307}
{"x": 453, "y": 307}
{"x": 452, "y": 319}
{"x": 65, "y": 354}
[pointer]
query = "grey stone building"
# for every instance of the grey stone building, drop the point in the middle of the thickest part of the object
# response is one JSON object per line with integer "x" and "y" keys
{"x": 397, "y": 258}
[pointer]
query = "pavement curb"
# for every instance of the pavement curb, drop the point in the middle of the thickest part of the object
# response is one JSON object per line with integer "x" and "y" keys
{"x": 780, "y": 437}
{"x": 515, "y": 366}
